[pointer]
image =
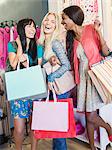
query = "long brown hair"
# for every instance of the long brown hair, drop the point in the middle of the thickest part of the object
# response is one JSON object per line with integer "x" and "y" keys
{"x": 76, "y": 14}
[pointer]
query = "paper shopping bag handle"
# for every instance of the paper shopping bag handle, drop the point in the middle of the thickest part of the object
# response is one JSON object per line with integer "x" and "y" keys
{"x": 18, "y": 66}
{"x": 54, "y": 95}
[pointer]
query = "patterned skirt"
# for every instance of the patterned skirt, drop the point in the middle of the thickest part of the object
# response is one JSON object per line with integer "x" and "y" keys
{"x": 21, "y": 108}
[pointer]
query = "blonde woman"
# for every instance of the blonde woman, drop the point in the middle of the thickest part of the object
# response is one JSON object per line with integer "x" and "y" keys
{"x": 50, "y": 39}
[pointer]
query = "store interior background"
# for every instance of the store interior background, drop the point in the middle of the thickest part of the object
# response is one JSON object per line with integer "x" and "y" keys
{"x": 104, "y": 13}
{"x": 36, "y": 9}
{"x": 18, "y": 9}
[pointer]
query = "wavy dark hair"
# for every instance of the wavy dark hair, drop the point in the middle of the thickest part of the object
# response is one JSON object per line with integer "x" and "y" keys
{"x": 32, "y": 51}
{"x": 76, "y": 14}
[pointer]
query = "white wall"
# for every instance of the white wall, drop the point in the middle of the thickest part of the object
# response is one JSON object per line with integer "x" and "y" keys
{"x": 107, "y": 21}
{"x": 17, "y": 9}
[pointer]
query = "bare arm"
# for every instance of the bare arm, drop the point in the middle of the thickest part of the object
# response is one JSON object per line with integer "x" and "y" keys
{"x": 14, "y": 58}
{"x": 105, "y": 48}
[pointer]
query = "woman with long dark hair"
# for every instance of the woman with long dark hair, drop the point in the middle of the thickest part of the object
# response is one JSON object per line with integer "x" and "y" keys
{"x": 26, "y": 48}
{"x": 86, "y": 45}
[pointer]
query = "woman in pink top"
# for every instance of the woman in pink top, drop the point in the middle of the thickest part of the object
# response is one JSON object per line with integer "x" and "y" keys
{"x": 86, "y": 46}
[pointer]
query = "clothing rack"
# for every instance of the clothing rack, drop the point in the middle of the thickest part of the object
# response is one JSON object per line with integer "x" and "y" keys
{"x": 8, "y": 23}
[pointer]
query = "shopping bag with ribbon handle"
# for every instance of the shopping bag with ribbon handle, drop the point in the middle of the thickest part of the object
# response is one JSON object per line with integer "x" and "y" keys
{"x": 53, "y": 119}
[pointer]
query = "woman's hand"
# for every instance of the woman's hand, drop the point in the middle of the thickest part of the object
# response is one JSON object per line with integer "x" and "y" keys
{"x": 53, "y": 60}
{"x": 97, "y": 25}
{"x": 23, "y": 58}
{"x": 104, "y": 47}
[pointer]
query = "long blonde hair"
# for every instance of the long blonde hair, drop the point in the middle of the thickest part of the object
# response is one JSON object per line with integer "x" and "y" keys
{"x": 55, "y": 35}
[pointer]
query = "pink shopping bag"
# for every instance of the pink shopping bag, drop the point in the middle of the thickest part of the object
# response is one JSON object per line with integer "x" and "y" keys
{"x": 50, "y": 116}
{"x": 56, "y": 123}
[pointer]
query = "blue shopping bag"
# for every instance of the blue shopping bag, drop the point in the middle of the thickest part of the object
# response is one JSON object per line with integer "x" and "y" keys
{"x": 26, "y": 83}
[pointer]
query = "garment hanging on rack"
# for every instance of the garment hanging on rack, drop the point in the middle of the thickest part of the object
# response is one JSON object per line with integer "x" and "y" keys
{"x": 1, "y": 41}
{"x": 90, "y": 8}
{"x": 37, "y": 32}
{"x": 6, "y": 40}
{"x": 13, "y": 33}
{"x": 1, "y": 48}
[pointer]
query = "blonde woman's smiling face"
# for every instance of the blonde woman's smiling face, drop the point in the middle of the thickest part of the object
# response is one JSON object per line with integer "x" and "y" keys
{"x": 49, "y": 24}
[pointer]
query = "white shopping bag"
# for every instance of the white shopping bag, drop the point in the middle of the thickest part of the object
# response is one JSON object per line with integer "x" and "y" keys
{"x": 50, "y": 116}
{"x": 27, "y": 83}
